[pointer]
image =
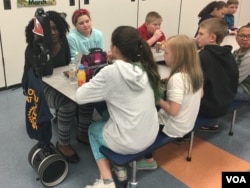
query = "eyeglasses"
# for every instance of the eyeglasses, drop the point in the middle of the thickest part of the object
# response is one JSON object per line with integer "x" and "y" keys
{"x": 244, "y": 37}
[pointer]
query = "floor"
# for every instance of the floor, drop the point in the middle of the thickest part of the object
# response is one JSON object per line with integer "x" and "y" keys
{"x": 212, "y": 154}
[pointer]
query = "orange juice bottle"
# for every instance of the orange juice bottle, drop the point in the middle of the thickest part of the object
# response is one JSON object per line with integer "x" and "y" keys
{"x": 81, "y": 75}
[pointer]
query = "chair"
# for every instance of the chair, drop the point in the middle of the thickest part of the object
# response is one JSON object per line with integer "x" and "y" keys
{"x": 200, "y": 120}
{"x": 235, "y": 105}
{"x": 121, "y": 160}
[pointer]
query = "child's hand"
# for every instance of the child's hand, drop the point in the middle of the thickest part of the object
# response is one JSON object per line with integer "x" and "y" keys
{"x": 109, "y": 57}
{"x": 157, "y": 34}
{"x": 164, "y": 80}
{"x": 233, "y": 31}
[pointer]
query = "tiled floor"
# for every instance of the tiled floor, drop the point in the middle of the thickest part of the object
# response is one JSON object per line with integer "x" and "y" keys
{"x": 212, "y": 153}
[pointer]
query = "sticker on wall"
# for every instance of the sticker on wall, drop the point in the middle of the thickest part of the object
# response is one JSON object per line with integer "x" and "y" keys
{"x": 32, "y": 3}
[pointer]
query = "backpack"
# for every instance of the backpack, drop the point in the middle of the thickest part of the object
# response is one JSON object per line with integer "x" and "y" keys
{"x": 94, "y": 61}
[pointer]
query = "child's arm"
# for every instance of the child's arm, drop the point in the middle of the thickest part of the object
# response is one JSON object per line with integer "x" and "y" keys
{"x": 233, "y": 32}
{"x": 170, "y": 107}
{"x": 157, "y": 34}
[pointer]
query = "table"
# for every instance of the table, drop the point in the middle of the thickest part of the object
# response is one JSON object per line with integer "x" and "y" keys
{"x": 61, "y": 83}
{"x": 158, "y": 56}
{"x": 164, "y": 71}
{"x": 230, "y": 40}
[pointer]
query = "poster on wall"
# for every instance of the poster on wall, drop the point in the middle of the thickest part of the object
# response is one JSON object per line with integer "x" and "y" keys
{"x": 32, "y": 3}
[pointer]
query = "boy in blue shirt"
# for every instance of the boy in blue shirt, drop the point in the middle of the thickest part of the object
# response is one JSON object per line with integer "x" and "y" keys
{"x": 232, "y": 6}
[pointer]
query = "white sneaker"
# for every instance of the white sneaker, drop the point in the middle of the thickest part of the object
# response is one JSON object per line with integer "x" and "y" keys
{"x": 100, "y": 184}
{"x": 120, "y": 172}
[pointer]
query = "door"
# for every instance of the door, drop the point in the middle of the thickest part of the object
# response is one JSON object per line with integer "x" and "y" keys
{"x": 168, "y": 9}
{"x": 107, "y": 15}
{"x": 13, "y": 22}
{"x": 2, "y": 81}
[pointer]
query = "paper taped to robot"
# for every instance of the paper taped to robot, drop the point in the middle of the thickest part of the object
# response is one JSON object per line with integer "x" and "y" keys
{"x": 38, "y": 29}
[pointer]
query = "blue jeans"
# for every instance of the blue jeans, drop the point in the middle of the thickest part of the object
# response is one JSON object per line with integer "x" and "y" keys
{"x": 241, "y": 95}
{"x": 96, "y": 139}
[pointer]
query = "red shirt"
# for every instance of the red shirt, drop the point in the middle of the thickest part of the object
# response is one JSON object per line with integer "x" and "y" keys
{"x": 146, "y": 36}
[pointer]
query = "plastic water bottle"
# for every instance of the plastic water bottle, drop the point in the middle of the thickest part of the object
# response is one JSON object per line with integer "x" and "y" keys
{"x": 77, "y": 58}
{"x": 72, "y": 71}
{"x": 81, "y": 75}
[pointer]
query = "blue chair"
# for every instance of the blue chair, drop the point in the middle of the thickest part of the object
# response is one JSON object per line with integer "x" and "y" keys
{"x": 162, "y": 140}
{"x": 121, "y": 160}
{"x": 203, "y": 120}
{"x": 235, "y": 105}
{"x": 200, "y": 120}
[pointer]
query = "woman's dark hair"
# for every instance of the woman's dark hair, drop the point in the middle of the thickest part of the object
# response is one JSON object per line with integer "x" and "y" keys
{"x": 211, "y": 6}
{"x": 57, "y": 18}
{"x": 136, "y": 50}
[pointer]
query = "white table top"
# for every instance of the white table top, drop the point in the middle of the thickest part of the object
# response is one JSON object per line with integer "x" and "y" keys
{"x": 61, "y": 83}
{"x": 158, "y": 56}
{"x": 164, "y": 71}
{"x": 230, "y": 40}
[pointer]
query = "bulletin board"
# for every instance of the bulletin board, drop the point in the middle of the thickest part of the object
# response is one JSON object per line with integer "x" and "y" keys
{"x": 33, "y": 3}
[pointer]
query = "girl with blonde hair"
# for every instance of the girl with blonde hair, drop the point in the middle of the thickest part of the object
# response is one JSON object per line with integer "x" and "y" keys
{"x": 179, "y": 110}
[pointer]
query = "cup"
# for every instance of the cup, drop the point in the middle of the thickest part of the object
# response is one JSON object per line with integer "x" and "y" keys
{"x": 158, "y": 47}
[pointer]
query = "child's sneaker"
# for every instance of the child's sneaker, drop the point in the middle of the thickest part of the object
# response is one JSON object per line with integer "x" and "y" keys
{"x": 212, "y": 129}
{"x": 143, "y": 164}
{"x": 120, "y": 172}
{"x": 99, "y": 183}
{"x": 182, "y": 139}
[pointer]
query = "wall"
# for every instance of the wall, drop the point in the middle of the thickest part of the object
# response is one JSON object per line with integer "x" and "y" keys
{"x": 127, "y": 12}
{"x": 243, "y": 13}
{"x": 12, "y": 23}
{"x": 168, "y": 9}
{"x": 107, "y": 15}
{"x": 189, "y": 11}
{"x": 179, "y": 16}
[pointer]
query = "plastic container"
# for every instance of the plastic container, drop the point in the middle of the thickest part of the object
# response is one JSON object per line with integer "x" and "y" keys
{"x": 81, "y": 75}
{"x": 72, "y": 71}
{"x": 77, "y": 59}
{"x": 158, "y": 47}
